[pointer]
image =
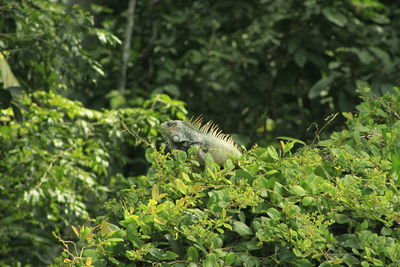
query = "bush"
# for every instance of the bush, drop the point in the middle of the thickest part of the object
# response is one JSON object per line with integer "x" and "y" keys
{"x": 335, "y": 203}
{"x": 57, "y": 165}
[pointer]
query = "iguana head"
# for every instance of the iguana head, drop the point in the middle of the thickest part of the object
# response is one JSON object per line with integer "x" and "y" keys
{"x": 178, "y": 134}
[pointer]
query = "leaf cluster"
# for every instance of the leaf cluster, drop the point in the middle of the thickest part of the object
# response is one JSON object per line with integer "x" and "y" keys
{"x": 44, "y": 42}
{"x": 335, "y": 203}
{"x": 61, "y": 163}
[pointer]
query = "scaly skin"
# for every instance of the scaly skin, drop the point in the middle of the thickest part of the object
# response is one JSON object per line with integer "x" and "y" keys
{"x": 208, "y": 138}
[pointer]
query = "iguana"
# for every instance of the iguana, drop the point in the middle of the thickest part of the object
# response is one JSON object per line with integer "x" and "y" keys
{"x": 207, "y": 137}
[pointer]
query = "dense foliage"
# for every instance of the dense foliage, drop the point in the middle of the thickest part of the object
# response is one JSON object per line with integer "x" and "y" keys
{"x": 275, "y": 67}
{"x": 44, "y": 41}
{"x": 258, "y": 68}
{"x": 61, "y": 164}
{"x": 335, "y": 203}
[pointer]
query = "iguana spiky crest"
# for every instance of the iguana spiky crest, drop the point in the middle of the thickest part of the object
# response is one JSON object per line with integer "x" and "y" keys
{"x": 210, "y": 128}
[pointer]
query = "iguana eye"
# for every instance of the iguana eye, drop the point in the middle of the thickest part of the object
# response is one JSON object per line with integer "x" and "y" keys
{"x": 175, "y": 139}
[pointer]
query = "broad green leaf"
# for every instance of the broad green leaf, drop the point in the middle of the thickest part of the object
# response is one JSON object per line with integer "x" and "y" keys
{"x": 334, "y": 16}
{"x": 160, "y": 220}
{"x": 104, "y": 229}
{"x": 182, "y": 156}
{"x": 229, "y": 259}
{"x": 271, "y": 172}
{"x": 185, "y": 177}
{"x": 192, "y": 254}
{"x": 300, "y": 57}
{"x": 297, "y": 252}
{"x": 242, "y": 229}
{"x": 91, "y": 253}
{"x": 320, "y": 86}
{"x": 155, "y": 192}
{"x": 386, "y": 231}
{"x": 180, "y": 185}
{"x": 350, "y": 260}
{"x": 297, "y": 190}
{"x": 363, "y": 54}
{"x": 381, "y": 54}
{"x": 211, "y": 261}
{"x": 307, "y": 201}
{"x": 75, "y": 230}
{"x": 115, "y": 239}
{"x": 156, "y": 252}
{"x": 272, "y": 152}
{"x": 274, "y": 213}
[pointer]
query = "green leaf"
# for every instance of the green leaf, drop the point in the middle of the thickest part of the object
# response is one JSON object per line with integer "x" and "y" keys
{"x": 274, "y": 213}
{"x": 211, "y": 260}
{"x": 182, "y": 156}
{"x": 377, "y": 262}
{"x": 115, "y": 239}
{"x": 297, "y": 252}
{"x": 242, "y": 229}
{"x": 90, "y": 253}
{"x": 350, "y": 260}
{"x": 155, "y": 192}
{"x": 229, "y": 259}
{"x": 272, "y": 152}
{"x": 307, "y": 201}
{"x": 278, "y": 188}
{"x": 381, "y": 54}
{"x": 297, "y": 190}
{"x": 300, "y": 57}
{"x": 291, "y": 139}
{"x": 160, "y": 220}
{"x": 271, "y": 172}
{"x": 334, "y": 16}
{"x": 363, "y": 55}
{"x": 192, "y": 254}
{"x": 149, "y": 155}
{"x": 104, "y": 229}
{"x": 161, "y": 255}
{"x": 293, "y": 44}
{"x": 180, "y": 185}
{"x": 363, "y": 226}
{"x": 303, "y": 263}
{"x": 386, "y": 231}
{"x": 320, "y": 86}
{"x": 251, "y": 245}
{"x": 172, "y": 89}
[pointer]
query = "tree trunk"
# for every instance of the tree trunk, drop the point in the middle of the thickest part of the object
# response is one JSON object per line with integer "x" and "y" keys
{"x": 127, "y": 45}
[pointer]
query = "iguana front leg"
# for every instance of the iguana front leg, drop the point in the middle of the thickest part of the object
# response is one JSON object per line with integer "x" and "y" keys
{"x": 201, "y": 149}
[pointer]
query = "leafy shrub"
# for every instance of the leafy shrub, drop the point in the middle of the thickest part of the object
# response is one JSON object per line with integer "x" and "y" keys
{"x": 335, "y": 203}
{"x": 59, "y": 164}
